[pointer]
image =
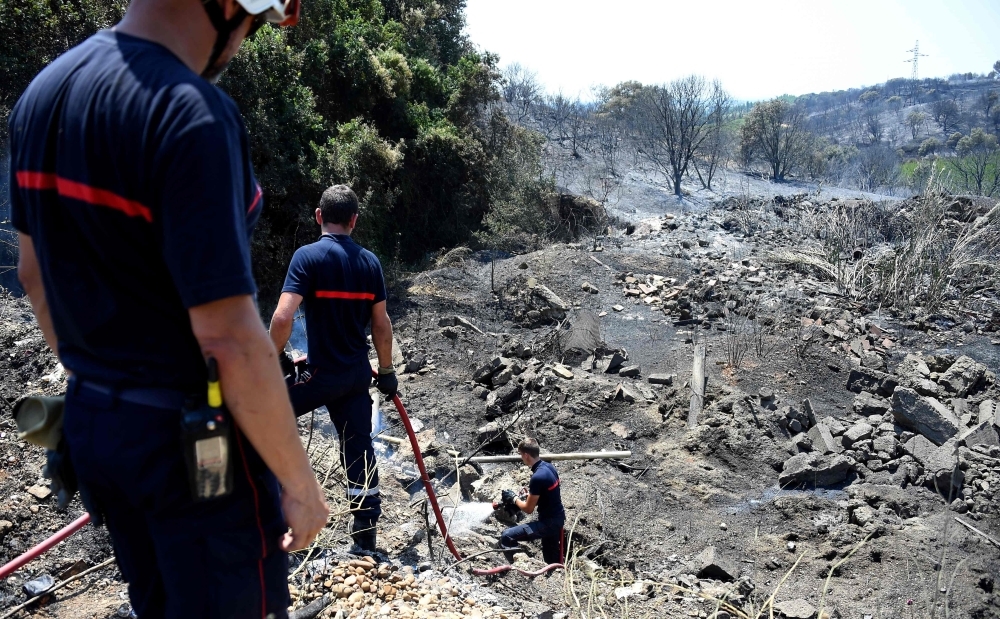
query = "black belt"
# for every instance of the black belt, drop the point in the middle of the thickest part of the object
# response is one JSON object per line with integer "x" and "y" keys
{"x": 156, "y": 397}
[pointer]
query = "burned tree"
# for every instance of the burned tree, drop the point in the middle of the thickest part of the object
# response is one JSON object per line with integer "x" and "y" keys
{"x": 671, "y": 123}
{"x": 774, "y": 133}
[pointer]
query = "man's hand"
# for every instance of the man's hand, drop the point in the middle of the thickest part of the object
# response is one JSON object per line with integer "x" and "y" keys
{"x": 231, "y": 331}
{"x": 387, "y": 383}
{"x": 306, "y": 516}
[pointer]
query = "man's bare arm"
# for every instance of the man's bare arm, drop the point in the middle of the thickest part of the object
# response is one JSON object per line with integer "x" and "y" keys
{"x": 30, "y": 276}
{"x": 231, "y": 331}
{"x": 281, "y": 321}
{"x": 382, "y": 334}
{"x": 528, "y": 505}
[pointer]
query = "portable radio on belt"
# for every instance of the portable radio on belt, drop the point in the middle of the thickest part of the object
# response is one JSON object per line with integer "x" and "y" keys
{"x": 207, "y": 437}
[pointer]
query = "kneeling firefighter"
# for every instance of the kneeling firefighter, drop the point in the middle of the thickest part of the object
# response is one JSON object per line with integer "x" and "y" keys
{"x": 543, "y": 494}
{"x": 342, "y": 290}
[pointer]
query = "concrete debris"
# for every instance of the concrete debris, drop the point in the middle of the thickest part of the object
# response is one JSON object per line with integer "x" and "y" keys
{"x": 505, "y": 397}
{"x": 630, "y": 371}
{"x": 550, "y": 297}
{"x": 713, "y": 564}
{"x": 621, "y": 392}
{"x": 923, "y": 414}
{"x": 661, "y": 379}
{"x": 984, "y": 433}
{"x": 963, "y": 376}
{"x": 866, "y": 404}
{"x": 795, "y": 609}
{"x": 619, "y": 430}
{"x": 562, "y": 371}
{"x": 855, "y": 433}
{"x": 872, "y": 381}
{"x": 588, "y": 287}
{"x": 815, "y": 469}
{"x": 987, "y": 412}
{"x": 823, "y": 440}
{"x": 39, "y": 492}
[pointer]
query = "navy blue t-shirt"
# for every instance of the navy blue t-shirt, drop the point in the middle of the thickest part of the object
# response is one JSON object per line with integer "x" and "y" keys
{"x": 545, "y": 485}
{"x": 132, "y": 175}
{"x": 339, "y": 282}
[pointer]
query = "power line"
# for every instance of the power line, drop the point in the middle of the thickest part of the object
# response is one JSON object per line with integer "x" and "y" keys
{"x": 916, "y": 58}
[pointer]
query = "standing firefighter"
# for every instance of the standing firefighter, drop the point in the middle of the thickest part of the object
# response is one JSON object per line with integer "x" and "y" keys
{"x": 543, "y": 494}
{"x": 342, "y": 289}
{"x": 134, "y": 198}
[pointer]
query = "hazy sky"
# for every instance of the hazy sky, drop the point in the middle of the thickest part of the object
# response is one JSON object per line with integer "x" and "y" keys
{"x": 757, "y": 48}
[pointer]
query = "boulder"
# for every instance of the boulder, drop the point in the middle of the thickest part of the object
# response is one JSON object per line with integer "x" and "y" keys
{"x": 562, "y": 371}
{"x": 963, "y": 376}
{"x": 987, "y": 411}
{"x": 505, "y": 397}
{"x": 550, "y": 298}
{"x": 886, "y": 444}
{"x": 925, "y": 415}
{"x": 872, "y": 381}
{"x": 919, "y": 448}
{"x": 712, "y": 564}
{"x": 492, "y": 436}
{"x": 857, "y": 432}
{"x": 823, "y": 440}
{"x": 622, "y": 392}
{"x": 795, "y": 609}
{"x": 913, "y": 368}
{"x": 983, "y": 433}
{"x": 630, "y": 371}
{"x": 815, "y": 469}
{"x": 866, "y": 404}
{"x": 942, "y": 469}
{"x": 661, "y": 379}
{"x": 613, "y": 363}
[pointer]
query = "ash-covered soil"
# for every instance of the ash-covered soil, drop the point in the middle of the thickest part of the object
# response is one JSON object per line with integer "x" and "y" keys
{"x": 842, "y": 444}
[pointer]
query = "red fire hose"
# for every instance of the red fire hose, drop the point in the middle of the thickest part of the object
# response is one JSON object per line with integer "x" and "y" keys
{"x": 432, "y": 497}
{"x": 59, "y": 536}
{"x": 78, "y": 524}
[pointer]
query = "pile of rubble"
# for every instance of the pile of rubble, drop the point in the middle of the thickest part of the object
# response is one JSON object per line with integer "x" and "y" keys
{"x": 363, "y": 587}
{"x": 904, "y": 433}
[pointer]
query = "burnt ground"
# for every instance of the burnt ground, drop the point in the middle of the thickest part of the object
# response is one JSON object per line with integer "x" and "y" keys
{"x": 488, "y": 339}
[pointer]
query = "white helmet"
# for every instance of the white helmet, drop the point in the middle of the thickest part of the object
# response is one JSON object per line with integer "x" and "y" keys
{"x": 278, "y": 12}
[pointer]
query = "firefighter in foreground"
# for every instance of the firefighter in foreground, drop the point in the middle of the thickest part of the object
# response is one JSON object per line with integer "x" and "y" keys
{"x": 341, "y": 287}
{"x": 543, "y": 495}
{"x": 134, "y": 198}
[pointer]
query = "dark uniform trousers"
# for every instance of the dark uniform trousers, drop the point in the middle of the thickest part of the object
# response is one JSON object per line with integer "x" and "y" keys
{"x": 344, "y": 392}
{"x": 181, "y": 558}
{"x": 550, "y": 531}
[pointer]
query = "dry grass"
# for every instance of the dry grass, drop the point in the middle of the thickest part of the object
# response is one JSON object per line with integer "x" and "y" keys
{"x": 921, "y": 258}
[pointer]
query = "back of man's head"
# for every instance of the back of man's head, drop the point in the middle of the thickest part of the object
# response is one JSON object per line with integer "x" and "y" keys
{"x": 530, "y": 447}
{"x": 338, "y": 204}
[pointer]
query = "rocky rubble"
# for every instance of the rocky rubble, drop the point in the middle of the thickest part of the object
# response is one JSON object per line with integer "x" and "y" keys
{"x": 952, "y": 448}
{"x": 356, "y": 587}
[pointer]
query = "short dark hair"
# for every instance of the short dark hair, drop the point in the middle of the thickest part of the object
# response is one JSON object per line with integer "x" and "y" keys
{"x": 338, "y": 204}
{"x": 529, "y": 446}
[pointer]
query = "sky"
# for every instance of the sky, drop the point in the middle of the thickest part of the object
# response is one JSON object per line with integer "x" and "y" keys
{"x": 758, "y": 49}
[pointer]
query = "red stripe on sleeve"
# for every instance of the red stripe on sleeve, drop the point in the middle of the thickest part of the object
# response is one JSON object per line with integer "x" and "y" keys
{"x": 84, "y": 193}
{"x": 256, "y": 200}
{"x": 554, "y": 486}
{"x": 337, "y": 294}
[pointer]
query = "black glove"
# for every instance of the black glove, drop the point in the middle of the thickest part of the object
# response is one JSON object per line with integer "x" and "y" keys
{"x": 63, "y": 483}
{"x": 507, "y": 499}
{"x": 387, "y": 384}
{"x": 287, "y": 364}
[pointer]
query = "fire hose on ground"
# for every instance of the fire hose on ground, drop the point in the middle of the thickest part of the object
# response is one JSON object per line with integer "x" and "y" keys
{"x": 432, "y": 498}
{"x": 79, "y": 523}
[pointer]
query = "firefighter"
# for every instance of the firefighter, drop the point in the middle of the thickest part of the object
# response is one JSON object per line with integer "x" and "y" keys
{"x": 543, "y": 494}
{"x": 134, "y": 198}
{"x": 342, "y": 290}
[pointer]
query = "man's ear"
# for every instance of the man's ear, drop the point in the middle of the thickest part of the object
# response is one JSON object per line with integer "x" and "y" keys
{"x": 319, "y": 216}
{"x": 354, "y": 220}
